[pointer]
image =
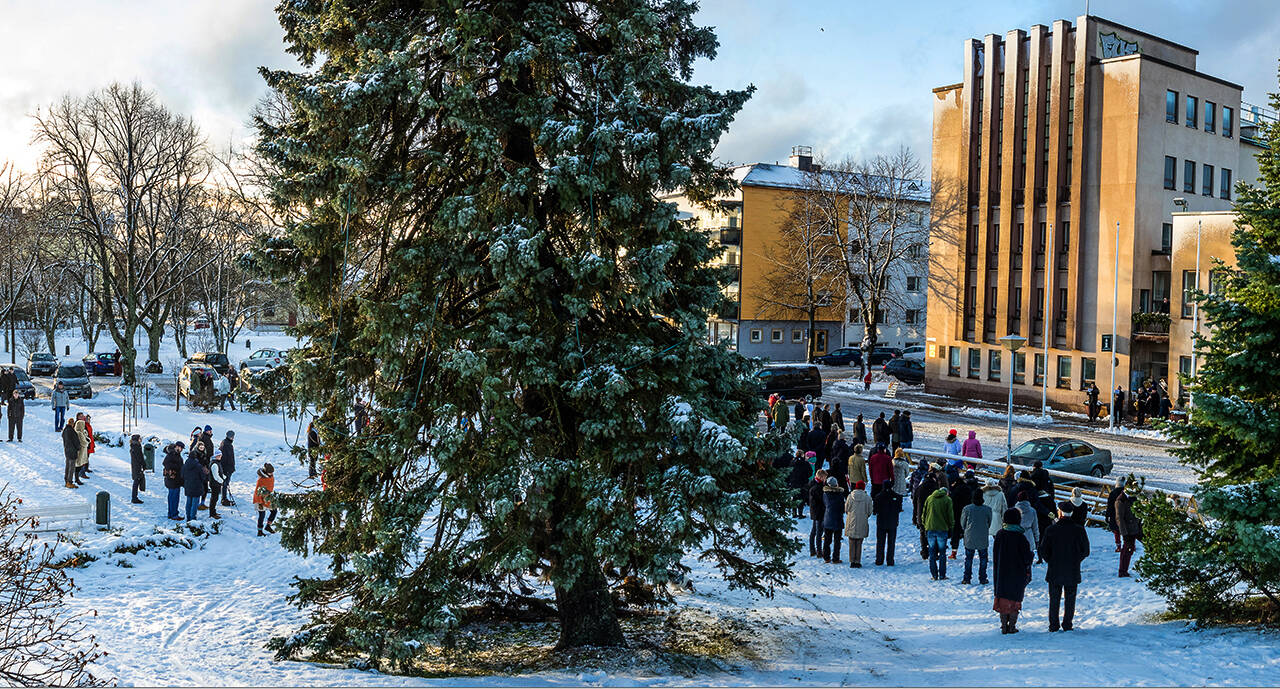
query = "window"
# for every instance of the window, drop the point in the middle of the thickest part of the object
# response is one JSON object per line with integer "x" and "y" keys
{"x": 1062, "y": 303}
{"x": 1184, "y": 365}
{"x": 1017, "y": 240}
{"x": 1188, "y": 290}
{"x": 1038, "y": 376}
{"x": 1171, "y": 106}
{"x": 1206, "y": 186}
{"x": 1227, "y": 124}
{"x": 1019, "y": 367}
{"x": 1064, "y": 239}
{"x": 797, "y": 335}
{"x": 880, "y": 317}
{"x": 915, "y": 251}
{"x": 975, "y": 363}
{"x": 912, "y": 316}
{"x": 1088, "y": 370}
{"x": 1017, "y": 302}
{"x": 953, "y": 363}
{"x": 1216, "y": 279}
{"x": 1189, "y": 176}
{"x": 776, "y": 336}
{"x": 1170, "y": 172}
{"x": 993, "y": 294}
{"x": 1192, "y": 103}
{"x": 993, "y": 239}
{"x": 913, "y": 284}
{"x": 1225, "y": 190}
{"x": 1064, "y": 372}
{"x": 1210, "y": 116}
{"x": 757, "y": 335}
{"x": 993, "y": 365}
{"x": 1166, "y": 238}
{"x": 1039, "y": 303}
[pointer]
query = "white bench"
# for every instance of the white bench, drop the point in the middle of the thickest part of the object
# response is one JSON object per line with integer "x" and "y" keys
{"x": 56, "y": 517}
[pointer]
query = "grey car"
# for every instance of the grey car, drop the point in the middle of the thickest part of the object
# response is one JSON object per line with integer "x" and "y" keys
{"x": 74, "y": 379}
{"x": 1064, "y": 454}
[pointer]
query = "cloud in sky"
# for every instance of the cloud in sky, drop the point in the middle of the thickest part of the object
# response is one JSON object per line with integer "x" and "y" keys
{"x": 848, "y": 78}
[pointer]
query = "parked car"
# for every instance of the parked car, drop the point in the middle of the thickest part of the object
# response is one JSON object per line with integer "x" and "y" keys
{"x": 264, "y": 358}
{"x": 906, "y": 370}
{"x": 792, "y": 381}
{"x": 101, "y": 363}
{"x": 25, "y": 386}
{"x": 202, "y": 385}
{"x": 845, "y": 356}
{"x": 75, "y": 379}
{"x": 42, "y": 364}
{"x": 916, "y": 352}
{"x": 200, "y": 323}
{"x": 1064, "y": 454}
{"x": 217, "y": 360}
{"x": 880, "y": 355}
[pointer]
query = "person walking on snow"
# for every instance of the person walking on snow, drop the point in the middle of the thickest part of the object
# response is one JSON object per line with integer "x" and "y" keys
{"x": 975, "y": 521}
{"x": 71, "y": 453}
{"x": 17, "y": 410}
{"x": 172, "y": 468}
{"x": 91, "y": 445}
{"x": 82, "y": 459}
{"x": 1130, "y": 525}
{"x": 939, "y": 517}
{"x": 1064, "y": 546}
{"x": 262, "y": 497}
{"x": 971, "y": 447}
{"x": 59, "y": 401}
{"x": 887, "y": 505}
{"x": 137, "y": 467}
{"x": 833, "y": 497}
{"x": 1010, "y": 571}
{"x": 857, "y": 512}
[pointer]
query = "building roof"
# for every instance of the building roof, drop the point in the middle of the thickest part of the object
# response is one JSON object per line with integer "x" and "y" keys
{"x": 787, "y": 177}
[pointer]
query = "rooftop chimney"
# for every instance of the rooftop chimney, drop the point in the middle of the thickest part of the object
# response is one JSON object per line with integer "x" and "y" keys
{"x": 802, "y": 158}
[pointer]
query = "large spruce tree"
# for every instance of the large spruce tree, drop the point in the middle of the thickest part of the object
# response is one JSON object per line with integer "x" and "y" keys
{"x": 478, "y": 238}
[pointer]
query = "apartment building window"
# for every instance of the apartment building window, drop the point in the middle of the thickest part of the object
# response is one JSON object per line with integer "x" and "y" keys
{"x": 993, "y": 239}
{"x": 757, "y": 335}
{"x": 880, "y": 317}
{"x": 1184, "y": 365}
{"x": 1062, "y": 302}
{"x": 1064, "y": 372}
{"x": 1017, "y": 239}
{"x": 1064, "y": 238}
{"x": 1189, "y": 176}
{"x": 1210, "y": 116}
{"x": 1037, "y": 377}
{"x": 1039, "y": 303}
{"x": 912, "y": 316}
{"x": 1188, "y": 292}
{"x": 797, "y": 335}
{"x": 975, "y": 362}
{"x": 915, "y": 251}
{"x": 1166, "y": 238}
{"x": 1017, "y": 302}
{"x": 1216, "y": 278}
{"x": 1170, "y": 172}
{"x": 1192, "y": 108}
{"x": 972, "y": 300}
{"x": 993, "y": 365}
{"x": 1171, "y": 106}
{"x": 953, "y": 362}
{"x": 1019, "y": 367}
{"x": 775, "y": 336}
{"x": 1039, "y": 241}
{"x": 1088, "y": 370}
{"x": 1225, "y": 190}
{"x": 1206, "y": 180}
{"x": 913, "y": 284}
{"x": 1227, "y": 122}
{"x": 992, "y": 295}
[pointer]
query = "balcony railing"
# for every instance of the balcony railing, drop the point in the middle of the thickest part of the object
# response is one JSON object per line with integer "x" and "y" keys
{"x": 1150, "y": 326}
{"x": 731, "y": 237}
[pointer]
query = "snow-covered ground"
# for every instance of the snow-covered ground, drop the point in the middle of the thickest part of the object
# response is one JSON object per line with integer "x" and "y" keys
{"x": 171, "y": 615}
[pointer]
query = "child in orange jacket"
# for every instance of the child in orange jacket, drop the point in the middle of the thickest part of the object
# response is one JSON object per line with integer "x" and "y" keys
{"x": 262, "y": 497}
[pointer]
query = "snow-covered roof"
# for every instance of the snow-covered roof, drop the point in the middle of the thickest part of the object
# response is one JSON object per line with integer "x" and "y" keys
{"x": 787, "y": 177}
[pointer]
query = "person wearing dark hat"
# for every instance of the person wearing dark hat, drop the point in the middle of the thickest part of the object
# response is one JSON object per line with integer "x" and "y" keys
{"x": 1129, "y": 523}
{"x": 859, "y": 431}
{"x": 228, "y": 466}
{"x": 1064, "y": 546}
{"x": 1010, "y": 570}
{"x": 925, "y": 487}
{"x": 880, "y": 431}
{"x": 172, "y": 468}
{"x": 833, "y": 495}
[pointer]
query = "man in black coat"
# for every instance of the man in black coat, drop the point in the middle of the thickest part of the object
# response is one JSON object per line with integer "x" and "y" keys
{"x": 906, "y": 433}
{"x": 816, "y": 441}
{"x": 886, "y": 506}
{"x": 17, "y": 410}
{"x": 927, "y": 485}
{"x": 1044, "y": 482}
{"x": 961, "y": 496}
{"x": 171, "y": 468}
{"x": 895, "y": 439}
{"x": 71, "y": 450}
{"x": 1117, "y": 405}
{"x": 1093, "y": 393}
{"x": 1112, "y": 525}
{"x": 228, "y": 466}
{"x": 137, "y": 467}
{"x": 838, "y": 462}
{"x": 195, "y": 480}
{"x": 8, "y": 383}
{"x": 799, "y": 480}
{"x": 817, "y": 511}
{"x": 859, "y": 431}
{"x": 880, "y": 431}
{"x": 1010, "y": 570}
{"x": 1063, "y": 546}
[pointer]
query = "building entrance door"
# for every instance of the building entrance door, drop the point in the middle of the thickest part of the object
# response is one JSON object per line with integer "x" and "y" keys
{"x": 819, "y": 342}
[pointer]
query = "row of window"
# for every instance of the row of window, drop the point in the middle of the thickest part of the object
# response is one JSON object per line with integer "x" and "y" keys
{"x": 1189, "y": 178}
{"x": 1191, "y": 112}
{"x": 995, "y": 357}
{"x": 775, "y": 335}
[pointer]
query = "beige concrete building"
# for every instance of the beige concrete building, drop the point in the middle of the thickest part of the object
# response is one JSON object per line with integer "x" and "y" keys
{"x": 1208, "y": 236}
{"x": 1071, "y": 141}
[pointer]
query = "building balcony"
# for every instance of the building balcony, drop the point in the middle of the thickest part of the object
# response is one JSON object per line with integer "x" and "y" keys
{"x": 1150, "y": 327}
{"x": 731, "y": 237}
{"x": 729, "y": 309}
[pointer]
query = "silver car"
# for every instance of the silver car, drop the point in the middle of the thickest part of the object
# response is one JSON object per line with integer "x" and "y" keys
{"x": 1064, "y": 454}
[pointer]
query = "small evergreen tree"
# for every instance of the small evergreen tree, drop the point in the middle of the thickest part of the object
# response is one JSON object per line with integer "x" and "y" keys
{"x": 478, "y": 238}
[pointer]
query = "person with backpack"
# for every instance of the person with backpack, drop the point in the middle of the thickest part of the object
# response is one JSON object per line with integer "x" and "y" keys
{"x": 137, "y": 467}
{"x": 1064, "y": 546}
{"x": 857, "y": 512}
{"x": 262, "y": 497}
{"x": 939, "y": 518}
{"x": 171, "y": 467}
{"x": 228, "y": 466}
{"x": 887, "y": 506}
{"x": 975, "y": 521}
{"x": 1010, "y": 570}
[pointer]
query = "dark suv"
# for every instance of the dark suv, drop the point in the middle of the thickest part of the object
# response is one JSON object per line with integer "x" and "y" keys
{"x": 880, "y": 355}
{"x": 792, "y": 381}
{"x": 215, "y": 360}
{"x": 42, "y": 364}
{"x": 74, "y": 379}
{"x": 845, "y": 356}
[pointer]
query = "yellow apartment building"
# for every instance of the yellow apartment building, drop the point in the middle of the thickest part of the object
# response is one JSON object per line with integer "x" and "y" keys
{"x": 1072, "y": 143}
{"x": 1208, "y": 235}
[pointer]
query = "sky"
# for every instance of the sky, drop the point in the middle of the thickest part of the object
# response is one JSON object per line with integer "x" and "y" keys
{"x": 848, "y": 77}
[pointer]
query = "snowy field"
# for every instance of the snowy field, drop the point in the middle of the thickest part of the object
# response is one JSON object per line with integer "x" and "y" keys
{"x": 200, "y": 615}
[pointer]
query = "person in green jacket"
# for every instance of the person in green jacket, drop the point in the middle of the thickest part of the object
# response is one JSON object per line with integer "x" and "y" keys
{"x": 781, "y": 415}
{"x": 938, "y": 519}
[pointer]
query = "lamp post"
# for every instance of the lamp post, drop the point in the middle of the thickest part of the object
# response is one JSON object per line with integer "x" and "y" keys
{"x": 1012, "y": 343}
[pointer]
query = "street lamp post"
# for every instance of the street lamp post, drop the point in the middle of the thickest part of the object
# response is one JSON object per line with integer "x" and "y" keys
{"x": 1012, "y": 343}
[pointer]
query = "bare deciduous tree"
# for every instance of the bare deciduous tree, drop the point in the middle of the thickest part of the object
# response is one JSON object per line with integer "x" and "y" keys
{"x": 18, "y": 259}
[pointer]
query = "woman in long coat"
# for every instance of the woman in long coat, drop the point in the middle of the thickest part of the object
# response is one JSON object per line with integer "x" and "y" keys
{"x": 1011, "y": 570}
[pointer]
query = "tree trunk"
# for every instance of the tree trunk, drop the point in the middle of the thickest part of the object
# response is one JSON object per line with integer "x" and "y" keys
{"x": 51, "y": 335}
{"x": 587, "y": 617}
{"x": 128, "y": 357}
{"x": 155, "y": 335}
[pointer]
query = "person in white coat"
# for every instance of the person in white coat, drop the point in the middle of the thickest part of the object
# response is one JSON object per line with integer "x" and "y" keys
{"x": 994, "y": 498}
{"x": 857, "y": 513}
{"x": 901, "y": 470}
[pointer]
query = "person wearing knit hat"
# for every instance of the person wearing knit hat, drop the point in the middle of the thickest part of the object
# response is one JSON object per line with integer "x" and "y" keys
{"x": 1011, "y": 558}
{"x": 1112, "y": 525}
{"x": 833, "y": 495}
{"x": 1079, "y": 510}
{"x": 1129, "y": 523}
{"x": 857, "y": 526}
{"x": 1064, "y": 545}
{"x": 951, "y": 445}
{"x": 817, "y": 510}
{"x": 994, "y": 498}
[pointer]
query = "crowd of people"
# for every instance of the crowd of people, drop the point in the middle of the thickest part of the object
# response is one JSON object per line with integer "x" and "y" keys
{"x": 1150, "y": 400}
{"x": 1012, "y": 523}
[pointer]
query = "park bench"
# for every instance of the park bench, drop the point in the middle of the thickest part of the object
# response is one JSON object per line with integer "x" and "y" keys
{"x": 56, "y": 517}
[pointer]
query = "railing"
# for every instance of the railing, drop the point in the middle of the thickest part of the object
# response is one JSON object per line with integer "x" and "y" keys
{"x": 1151, "y": 325}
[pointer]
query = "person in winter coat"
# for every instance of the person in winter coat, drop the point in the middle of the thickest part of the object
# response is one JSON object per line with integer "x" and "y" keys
{"x": 825, "y": 418}
{"x": 1092, "y": 393}
{"x": 857, "y": 513}
{"x": 886, "y": 505}
{"x": 1117, "y": 405}
{"x": 971, "y": 447}
{"x": 1043, "y": 505}
{"x": 171, "y": 467}
{"x": 137, "y": 467}
{"x": 961, "y": 496}
{"x": 17, "y": 410}
{"x": 975, "y": 521}
{"x": 799, "y": 411}
{"x": 91, "y": 445}
{"x": 817, "y": 510}
{"x": 1079, "y": 510}
{"x": 798, "y": 480}
{"x": 895, "y": 435}
{"x": 59, "y": 400}
{"x": 939, "y": 518}
{"x": 216, "y": 481}
{"x": 262, "y": 497}
{"x": 880, "y": 431}
{"x": 901, "y": 468}
{"x": 857, "y": 465}
{"x": 816, "y": 440}
{"x": 916, "y": 474}
{"x": 1029, "y": 521}
{"x": 1130, "y": 525}
{"x": 71, "y": 453}
{"x": 82, "y": 460}
{"x": 1044, "y": 482}
{"x": 781, "y": 415}
{"x": 832, "y": 519}
{"x": 228, "y": 466}
{"x": 1010, "y": 571}
{"x": 837, "y": 418}
{"x": 859, "y": 431}
{"x": 924, "y": 488}
{"x": 993, "y": 497}
{"x": 1007, "y": 482}
{"x": 952, "y": 445}
{"x": 194, "y": 479}
{"x": 1113, "y": 525}
{"x": 1024, "y": 483}
{"x": 1064, "y": 546}
{"x": 838, "y": 458}
{"x": 906, "y": 432}
{"x": 880, "y": 466}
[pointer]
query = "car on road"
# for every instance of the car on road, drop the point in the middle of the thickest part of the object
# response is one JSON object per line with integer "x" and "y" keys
{"x": 906, "y": 370}
{"x": 792, "y": 381}
{"x": 101, "y": 363}
{"x": 42, "y": 364}
{"x": 844, "y": 356}
{"x": 264, "y": 358}
{"x": 74, "y": 378}
{"x": 881, "y": 355}
{"x": 215, "y": 360}
{"x": 916, "y": 352}
{"x": 25, "y": 386}
{"x": 1064, "y": 454}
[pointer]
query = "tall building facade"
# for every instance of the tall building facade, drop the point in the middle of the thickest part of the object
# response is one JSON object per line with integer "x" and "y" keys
{"x": 1071, "y": 144}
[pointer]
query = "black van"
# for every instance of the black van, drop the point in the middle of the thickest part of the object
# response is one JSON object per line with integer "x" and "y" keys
{"x": 792, "y": 381}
